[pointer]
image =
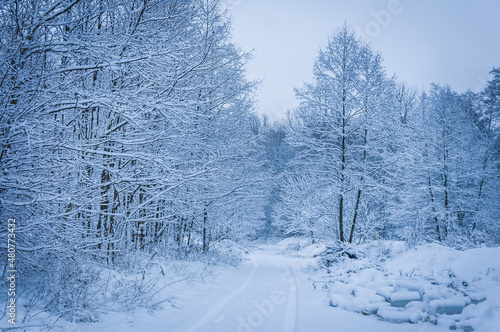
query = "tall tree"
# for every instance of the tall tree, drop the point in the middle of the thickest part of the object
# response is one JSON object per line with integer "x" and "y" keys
{"x": 343, "y": 126}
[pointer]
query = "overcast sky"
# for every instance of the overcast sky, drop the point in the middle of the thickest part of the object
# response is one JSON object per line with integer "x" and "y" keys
{"x": 421, "y": 41}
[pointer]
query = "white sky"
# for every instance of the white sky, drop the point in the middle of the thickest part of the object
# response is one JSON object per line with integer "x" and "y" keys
{"x": 421, "y": 41}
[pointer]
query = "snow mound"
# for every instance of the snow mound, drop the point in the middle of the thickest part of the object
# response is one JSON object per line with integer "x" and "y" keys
{"x": 395, "y": 315}
{"x": 229, "y": 247}
{"x": 293, "y": 245}
{"x": 430, "y": 283}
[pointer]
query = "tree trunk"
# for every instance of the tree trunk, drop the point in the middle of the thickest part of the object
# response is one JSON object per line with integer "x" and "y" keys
{"x": 205, "y": 241}
{"x": 342, "y": 179}
{"x": 434, "y": 211}
{"x": 356, "y": 208}
{"x": 358, "y": 198}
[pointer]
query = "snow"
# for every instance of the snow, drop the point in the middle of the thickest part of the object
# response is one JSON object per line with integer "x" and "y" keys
{"x": 430, "y": 283}
{"x": 449, "y": 306}
{"x": 392, "y": 314}
{"x": 411, "y": 286}
{"x": 281, "y": 287}
{"x": 402, "y": 297}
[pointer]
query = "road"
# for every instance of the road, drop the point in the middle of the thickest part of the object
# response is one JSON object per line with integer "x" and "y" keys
{"x": 268, "y": 292}
{"x": 265, "y": 301}
{"x": 273, "y": 293}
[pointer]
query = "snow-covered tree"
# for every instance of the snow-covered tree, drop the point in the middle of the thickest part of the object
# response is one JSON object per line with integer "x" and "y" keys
{"x": 343, "y": 134}
{"x": 125, "y": 125}
{"x": 442, "y": 168}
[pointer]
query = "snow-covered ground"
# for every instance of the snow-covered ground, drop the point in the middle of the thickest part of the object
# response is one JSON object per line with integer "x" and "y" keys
{"x": 430, "y": 284}
{"x": 280, "y": 287}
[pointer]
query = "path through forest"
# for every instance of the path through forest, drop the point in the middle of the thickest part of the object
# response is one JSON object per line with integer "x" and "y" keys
{"x": 266, "y": 299}
{"x": 270, "y": 292}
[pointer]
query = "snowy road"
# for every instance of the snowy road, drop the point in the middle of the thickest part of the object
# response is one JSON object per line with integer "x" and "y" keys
{"x": 265, "y": 301}
{"x": 271, "y": 293}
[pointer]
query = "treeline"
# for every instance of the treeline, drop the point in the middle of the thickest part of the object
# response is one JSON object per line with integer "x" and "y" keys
{"x": 372, "y": 158}
{"x": 125, "y": 126}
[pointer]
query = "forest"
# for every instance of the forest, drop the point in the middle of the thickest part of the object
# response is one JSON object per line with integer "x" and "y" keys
{"x": 128, "y": 130}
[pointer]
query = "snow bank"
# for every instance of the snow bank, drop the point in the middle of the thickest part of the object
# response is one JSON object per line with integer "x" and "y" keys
{"x": 431, "y": 283}
{"x": 229, "y": 247}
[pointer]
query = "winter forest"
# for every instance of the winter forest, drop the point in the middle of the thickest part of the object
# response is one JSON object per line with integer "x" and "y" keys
{"x": 135, "y": 172}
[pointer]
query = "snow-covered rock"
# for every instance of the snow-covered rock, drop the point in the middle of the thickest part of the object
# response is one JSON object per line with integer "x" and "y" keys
{"x": 449, "y": 306}
{"x": 431, "y": 283}
{"x": 398, "y": 315}
{"x": 402, "y": 297}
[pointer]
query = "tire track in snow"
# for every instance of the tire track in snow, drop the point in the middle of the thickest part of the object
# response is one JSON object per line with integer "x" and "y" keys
{"x": 290, "y": 322}
{"x": 222, "y": 303}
